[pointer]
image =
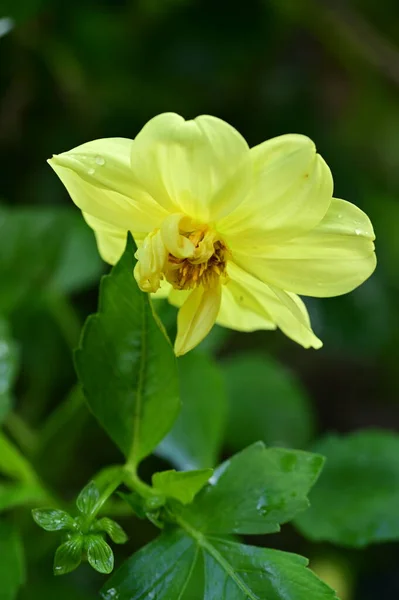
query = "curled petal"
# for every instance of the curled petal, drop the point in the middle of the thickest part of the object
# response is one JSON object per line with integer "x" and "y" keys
{"x": 196, "y": 318}
{"x": 284, "y": 309}
{"x": 151, "y": 259}
{"x": 332, "y": 259}
{"x": 176, "y": 244}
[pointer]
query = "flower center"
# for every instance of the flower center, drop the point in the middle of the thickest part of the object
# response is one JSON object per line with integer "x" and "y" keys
{"x": 186, "y": 274}
{"x": 185, "y": 253}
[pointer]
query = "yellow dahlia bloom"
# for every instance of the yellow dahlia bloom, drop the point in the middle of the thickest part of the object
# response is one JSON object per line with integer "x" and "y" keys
{"x": 229, "y": 234}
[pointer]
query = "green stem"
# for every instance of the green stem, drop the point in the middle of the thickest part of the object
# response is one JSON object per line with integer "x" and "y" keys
{"x": 63, "y": 418}
{"x": 133, "y": 481}
{"x": 107, "y": 493}
{"x": 25, "y": 437}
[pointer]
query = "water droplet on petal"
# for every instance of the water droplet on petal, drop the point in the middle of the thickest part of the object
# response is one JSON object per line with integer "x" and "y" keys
{"x": 91, "y": 171}
{"x": 358, "y": 231}
{"x": 339, "y": 216}
{"x": 99, "y": 160}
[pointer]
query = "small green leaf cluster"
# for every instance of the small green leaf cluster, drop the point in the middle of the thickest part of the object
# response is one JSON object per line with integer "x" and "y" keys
{"x": 84, "y": 534}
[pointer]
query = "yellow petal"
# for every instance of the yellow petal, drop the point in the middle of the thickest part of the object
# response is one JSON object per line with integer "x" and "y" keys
{"x": 332, "y": 259}
{"x": 286, "y": 310}
{"x": 100, "y": 181}
{"x": 290, "y": 194}
{"x": 176, "y": 244}
{"x": 184, "y": 163}
{"x": 196, "y": 318}
{"x": 111, "y": 240}
{"x": 241, "y": 310}
{"x": 163, "y": 291}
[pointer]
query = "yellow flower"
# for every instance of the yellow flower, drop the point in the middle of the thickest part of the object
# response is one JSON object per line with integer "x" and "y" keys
{"x": 229, "y": 234}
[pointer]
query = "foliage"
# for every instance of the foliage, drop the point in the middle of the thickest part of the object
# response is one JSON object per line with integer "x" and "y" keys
{"x": 79, "y": 71}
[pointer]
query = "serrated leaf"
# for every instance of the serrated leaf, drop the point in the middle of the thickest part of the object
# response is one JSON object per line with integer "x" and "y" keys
{"x": 266, "y": 403}
{"x": 68, "y": 556}
{"x": 181, "y": 485}
{"x": 126, "y": 360}
{"x": 88, "y": 498}
{"x": 255, "y": 491}
{"x": 52, "y": 519}
{"x": 195, "y": 440}
{"x": 239, "y": 572}
{"x": 99, "y": 554}
{"x": 160, "y": 570}
{"x": 170, "y": 569}
{"x": 8, "y": 367}
{"x": 114, "y": 530}
{"x": 356, "y": 500}
{"x": 12, "y": 567}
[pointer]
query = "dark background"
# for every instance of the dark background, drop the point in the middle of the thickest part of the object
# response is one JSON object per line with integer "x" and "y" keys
{"x": 75, "y": 71}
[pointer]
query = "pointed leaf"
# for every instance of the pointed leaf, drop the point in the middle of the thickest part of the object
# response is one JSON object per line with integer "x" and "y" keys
{"x": 88, "y": 498}
{"x": 356, "y": 500}
{"x": 195, "y": 439}
{"x": 255, "y": 491}
{"x": 99, "y": 554}
{"x": 125, "y": 360}
{"x": 181, "y": 485}
{"x": 239, "y": 572}
{"x": 114, "y": 530}
{"x": 52, "y": 519}
{"x": 12, "y": 568}
{"x": 68, "y": 556}
{"x": 8, "y": 367}
{"x": 160, "y": 570}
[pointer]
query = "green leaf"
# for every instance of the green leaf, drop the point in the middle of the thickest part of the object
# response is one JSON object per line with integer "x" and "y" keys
{"x": 182, "y": 485}
{"x": 52, "y": 519}
{"x": 99, "y": 554}
{"x": 125, "y": 360}
{"x": 88, "y": 498}
{"x": 68, "y": 556}
{"x": 169, "y": 569}
{"x": 197, "y": 435}
{"x": 61, "y": 249}
{"x": 8, "y": 367}
{"x": 136, "y": 502}
{"x": 114, "y": 530}
{"x": 266, "y": 403}
{"x": 356, "y": 500}
{"x": 240, "y": 572}
{"x": 160, "y": 570}
{"x": 12, "y": 568}
{"x": 79, "y": 264}
{"x": 255, "y": 491}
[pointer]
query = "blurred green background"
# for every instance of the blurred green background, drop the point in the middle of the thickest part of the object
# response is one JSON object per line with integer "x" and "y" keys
{"x": 76, "y": 71}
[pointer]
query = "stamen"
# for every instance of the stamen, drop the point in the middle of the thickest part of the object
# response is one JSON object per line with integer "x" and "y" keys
{"x": 201, "y": 259}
